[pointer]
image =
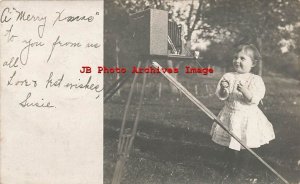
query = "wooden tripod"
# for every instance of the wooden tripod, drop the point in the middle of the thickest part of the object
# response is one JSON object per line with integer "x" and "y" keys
{"x": 126, "y": 138}
{"x": 127, "y": 135}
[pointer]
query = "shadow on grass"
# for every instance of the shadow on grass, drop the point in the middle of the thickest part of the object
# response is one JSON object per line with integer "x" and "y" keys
{"x": 164, "y": 154}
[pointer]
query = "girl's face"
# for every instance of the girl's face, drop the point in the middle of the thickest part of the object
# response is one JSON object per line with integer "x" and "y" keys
{"x": 242, "y": 63}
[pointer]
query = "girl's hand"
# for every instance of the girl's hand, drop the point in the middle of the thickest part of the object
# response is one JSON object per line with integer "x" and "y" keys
{"x": 224, "y": 84}
{"x": 244, "y": 90}
{"x": 241, "y": 88}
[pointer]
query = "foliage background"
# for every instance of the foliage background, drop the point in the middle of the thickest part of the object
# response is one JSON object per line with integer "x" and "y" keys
{"x": 215, "y": 28}
{"x": 173, "y": 144}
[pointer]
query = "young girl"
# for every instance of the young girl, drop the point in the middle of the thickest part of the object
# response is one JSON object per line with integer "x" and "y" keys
{"x": 242, "y": 91}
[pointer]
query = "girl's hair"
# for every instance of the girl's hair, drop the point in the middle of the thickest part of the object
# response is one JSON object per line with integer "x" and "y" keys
{"x": 251, "y": 51}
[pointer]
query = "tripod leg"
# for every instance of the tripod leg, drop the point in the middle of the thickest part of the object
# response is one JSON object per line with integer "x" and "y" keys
{"x": 118, "y": 170}
{"x": 123, "y": 140}
{"x": 136, "y": 122}
{"x": 114, "y": 88}
{"x": 127, "y": 105}
{"x": 114, "y": 84}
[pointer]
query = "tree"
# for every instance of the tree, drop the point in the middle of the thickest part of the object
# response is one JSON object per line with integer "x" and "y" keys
{"x": 190, "y": 14}
{"x": 254, "y": 21}
{"x": 262, "y": 22}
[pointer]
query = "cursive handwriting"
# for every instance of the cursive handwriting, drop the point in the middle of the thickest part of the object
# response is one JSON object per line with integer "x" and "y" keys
{"x": 25, "y": 82}
{"x": 5, "y": 15}
{"x": 87, "y": 85}
{"x": 15, "y": 21}
{"x": 62, "y": 44}
{"x": 13, "y": 63}
{"x": 93, "y": 45}
{"x": 26, "y": 50}
{"x": 24, "y": 16}
{"x": 59, "y": 82}
{"x": 27, "y": 103}
{"x": 10, "y": 37}
{"x": 72, "y": 18}
{"x": 56, "y": 83}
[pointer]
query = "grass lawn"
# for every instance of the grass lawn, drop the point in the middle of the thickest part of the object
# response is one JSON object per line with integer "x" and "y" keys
{"x": 173, "y": 144}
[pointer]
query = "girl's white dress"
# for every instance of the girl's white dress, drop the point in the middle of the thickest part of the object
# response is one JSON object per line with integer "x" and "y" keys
{"x": 242, "y": 118}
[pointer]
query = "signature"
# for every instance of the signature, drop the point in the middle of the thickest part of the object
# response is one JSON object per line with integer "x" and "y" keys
{"x": 41, "y": 104}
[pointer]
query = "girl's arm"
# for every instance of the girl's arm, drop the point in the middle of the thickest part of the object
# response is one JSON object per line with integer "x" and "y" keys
{"x": 246, "y": 93}
{"x": 255, "y": 92}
